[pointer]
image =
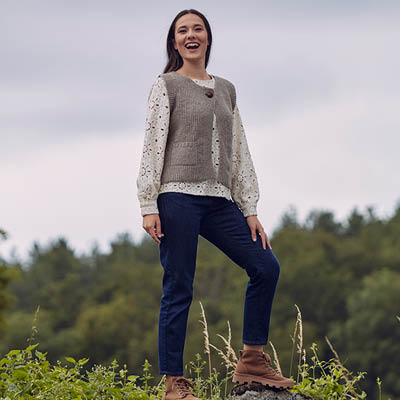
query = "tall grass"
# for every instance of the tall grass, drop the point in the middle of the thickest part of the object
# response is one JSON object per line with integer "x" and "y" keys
{"x": 276, "y": 359}
{"x": 26, "y": 374}
{"x": 203, "y": 321}
{"x": 298, "y": 329}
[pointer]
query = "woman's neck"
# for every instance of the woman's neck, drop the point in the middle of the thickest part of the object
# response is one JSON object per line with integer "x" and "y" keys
{"x": 194, "y": 72}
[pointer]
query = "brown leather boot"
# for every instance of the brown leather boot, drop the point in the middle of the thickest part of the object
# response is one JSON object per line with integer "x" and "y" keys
{"x": 255, "y": 366}
{"x": 179, "y": 388}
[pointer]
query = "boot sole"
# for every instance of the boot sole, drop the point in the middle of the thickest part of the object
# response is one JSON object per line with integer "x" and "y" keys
{"x": 244, "y": 378}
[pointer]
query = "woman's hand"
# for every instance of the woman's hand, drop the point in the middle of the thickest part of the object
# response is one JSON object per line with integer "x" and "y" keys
{"x": 152, "y": 225}
{"x": 255, "y": 225}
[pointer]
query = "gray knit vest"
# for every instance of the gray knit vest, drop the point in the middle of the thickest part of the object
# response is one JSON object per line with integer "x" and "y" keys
{"x": 188, "y": 149}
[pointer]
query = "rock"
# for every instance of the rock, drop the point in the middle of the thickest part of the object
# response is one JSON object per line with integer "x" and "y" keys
{"x": 255, "y": 391}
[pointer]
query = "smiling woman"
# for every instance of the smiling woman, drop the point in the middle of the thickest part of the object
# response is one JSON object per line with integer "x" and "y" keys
{"x": 197, "y": 178}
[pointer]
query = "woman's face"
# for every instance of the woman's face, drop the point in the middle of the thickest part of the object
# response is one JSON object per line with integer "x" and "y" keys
{"x": 190, "y": 29}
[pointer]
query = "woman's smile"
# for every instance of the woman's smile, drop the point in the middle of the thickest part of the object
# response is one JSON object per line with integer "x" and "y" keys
{"x": 192, "y": 46}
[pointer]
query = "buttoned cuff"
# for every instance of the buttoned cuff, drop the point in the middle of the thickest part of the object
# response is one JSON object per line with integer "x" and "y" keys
{"x": 149, "y": 209}
{"x": 250, "y": 210}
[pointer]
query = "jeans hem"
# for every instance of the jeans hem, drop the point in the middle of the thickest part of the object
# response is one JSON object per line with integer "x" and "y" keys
{"x": 255, "y": 342}
{"x": 171, "y": 373}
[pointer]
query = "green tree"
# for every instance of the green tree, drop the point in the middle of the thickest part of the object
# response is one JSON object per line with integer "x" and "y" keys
{"x": 7, "y": 274}
{"x": 370, "y": 337}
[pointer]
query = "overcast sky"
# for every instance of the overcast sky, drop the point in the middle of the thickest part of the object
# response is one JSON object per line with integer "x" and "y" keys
{"x": 318, "y": 91}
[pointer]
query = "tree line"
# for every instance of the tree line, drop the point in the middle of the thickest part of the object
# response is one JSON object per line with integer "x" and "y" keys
{"x": 343, "y": 275}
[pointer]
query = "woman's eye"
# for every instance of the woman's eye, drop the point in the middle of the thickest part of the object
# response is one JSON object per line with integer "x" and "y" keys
{"x": 183, "y": 30}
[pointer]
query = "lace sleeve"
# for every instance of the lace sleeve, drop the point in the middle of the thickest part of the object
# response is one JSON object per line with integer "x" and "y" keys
{"x": 245, "y": 190}
{"x": 155, "y": 139}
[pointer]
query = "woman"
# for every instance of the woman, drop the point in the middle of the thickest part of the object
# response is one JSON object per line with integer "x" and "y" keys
{"x": 197, "y": 177}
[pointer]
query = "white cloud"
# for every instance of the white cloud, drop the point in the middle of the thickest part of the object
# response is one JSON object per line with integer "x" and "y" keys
{"x": 318, "y": 94}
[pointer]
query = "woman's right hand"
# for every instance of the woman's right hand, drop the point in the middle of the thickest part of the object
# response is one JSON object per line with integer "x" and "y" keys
{"x": 152, "y": 225}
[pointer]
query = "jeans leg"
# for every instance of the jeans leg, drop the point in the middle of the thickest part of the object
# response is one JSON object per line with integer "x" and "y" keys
{"x": 227, "y": 228}
{"x": 178, "y": 249}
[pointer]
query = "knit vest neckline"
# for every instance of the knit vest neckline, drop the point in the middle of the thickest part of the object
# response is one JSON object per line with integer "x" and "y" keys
{"x": 196, "y": 84}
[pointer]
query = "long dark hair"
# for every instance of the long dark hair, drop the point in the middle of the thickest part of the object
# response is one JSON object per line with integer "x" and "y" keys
{"x": 174, "y": 58}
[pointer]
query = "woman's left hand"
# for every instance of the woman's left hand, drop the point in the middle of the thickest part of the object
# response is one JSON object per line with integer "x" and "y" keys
{"x": 255, "y": 225}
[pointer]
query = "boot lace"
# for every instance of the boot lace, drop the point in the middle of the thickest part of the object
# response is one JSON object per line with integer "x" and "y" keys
{"x": 183, "y": 387}
{"x": 267, "y": 361}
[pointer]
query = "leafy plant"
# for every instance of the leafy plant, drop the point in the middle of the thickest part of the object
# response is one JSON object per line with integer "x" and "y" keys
{"x": 27, "y": 374}
{"x": 327, "y": 380}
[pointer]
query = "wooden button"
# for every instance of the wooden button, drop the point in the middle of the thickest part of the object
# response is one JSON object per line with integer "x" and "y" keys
{"x": 209, "y": 94}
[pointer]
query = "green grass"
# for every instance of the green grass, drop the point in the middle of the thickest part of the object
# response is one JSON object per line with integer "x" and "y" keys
{"x": 27, "y": 374}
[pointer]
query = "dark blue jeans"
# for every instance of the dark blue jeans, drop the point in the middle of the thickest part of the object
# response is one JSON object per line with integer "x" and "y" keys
{"x": 183, "y": 217}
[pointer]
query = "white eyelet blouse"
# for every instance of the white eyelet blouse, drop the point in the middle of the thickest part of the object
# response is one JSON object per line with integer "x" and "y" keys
{"x": 245, "y": 190}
